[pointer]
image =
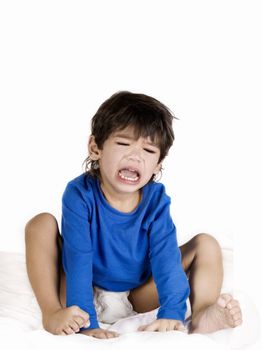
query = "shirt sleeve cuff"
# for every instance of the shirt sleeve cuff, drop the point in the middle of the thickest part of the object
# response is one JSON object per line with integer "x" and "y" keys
{"x": 172, "y": 314}
{"x": 93, "y": 324}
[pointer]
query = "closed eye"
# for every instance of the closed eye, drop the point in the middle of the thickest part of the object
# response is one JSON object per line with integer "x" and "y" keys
{"x": 149, "y": 150}
{"x": 122, "y": 143}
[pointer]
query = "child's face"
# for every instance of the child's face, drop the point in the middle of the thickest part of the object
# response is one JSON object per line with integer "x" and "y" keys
{"x": 126, "y": 164}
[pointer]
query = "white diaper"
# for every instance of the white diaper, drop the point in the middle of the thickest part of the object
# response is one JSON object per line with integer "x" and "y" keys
{"x": 112, "y": 306}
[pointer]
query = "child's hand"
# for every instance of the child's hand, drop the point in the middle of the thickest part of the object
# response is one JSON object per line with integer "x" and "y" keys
{"x": 163, "y": 325}
{"x": 100, "y": 333}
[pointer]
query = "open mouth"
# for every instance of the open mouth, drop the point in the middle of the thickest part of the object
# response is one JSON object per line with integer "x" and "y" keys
{"x": 129, "y": 174}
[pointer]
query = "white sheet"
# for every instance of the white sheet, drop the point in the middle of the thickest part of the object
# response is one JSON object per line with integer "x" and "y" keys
{"x": 21, "y": 328}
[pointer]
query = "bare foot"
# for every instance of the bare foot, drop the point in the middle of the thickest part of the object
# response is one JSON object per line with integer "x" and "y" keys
{"x": 66, "y": 321}
{"x": 225, "y": 313}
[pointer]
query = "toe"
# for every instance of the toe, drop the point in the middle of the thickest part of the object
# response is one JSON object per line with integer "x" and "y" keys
{"x": 238, "y": 322}
{"x": 234, "y": 310}
{"x": 237, "y": 316}
{"x": 227, "y": 297}
{"x": 224, "y": 299}
{"x": 232, "y": 303}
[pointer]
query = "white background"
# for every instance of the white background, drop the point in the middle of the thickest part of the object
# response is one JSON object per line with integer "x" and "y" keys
{"x": 61, "y": 59}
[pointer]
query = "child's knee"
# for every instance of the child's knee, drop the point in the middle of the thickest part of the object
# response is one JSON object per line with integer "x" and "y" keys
{"x": 206, "y": 243}
{"x": 41, "y": 222}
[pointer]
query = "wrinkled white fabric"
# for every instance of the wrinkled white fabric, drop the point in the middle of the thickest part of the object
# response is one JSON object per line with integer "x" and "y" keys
{"x": 21, "y": 327}
{"x": 112, "y": 306}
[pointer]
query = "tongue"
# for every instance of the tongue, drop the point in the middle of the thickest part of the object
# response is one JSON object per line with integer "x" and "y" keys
{"x": 129, "y": 173}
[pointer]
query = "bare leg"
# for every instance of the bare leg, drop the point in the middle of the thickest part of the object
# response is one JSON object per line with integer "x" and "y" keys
{"x": 45, "y": 272}
{"x": 211, "y": 311}
{"x": 202, "y": 261}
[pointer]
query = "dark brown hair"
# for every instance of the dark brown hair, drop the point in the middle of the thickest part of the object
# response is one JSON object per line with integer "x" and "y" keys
{"x": 148, "y": 116}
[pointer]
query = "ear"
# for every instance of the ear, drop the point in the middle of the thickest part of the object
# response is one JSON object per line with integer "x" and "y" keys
{"x": 157, "y": 168}
{"x": 93, "y": 150}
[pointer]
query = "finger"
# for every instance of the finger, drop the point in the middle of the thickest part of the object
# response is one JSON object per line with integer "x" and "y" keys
{"x": 74, "y": 325}
{"x": 110, "y": 335}
{"x": 160, "y": 325}
{"x": 180, "y": 327}
{"x": 115, "y": 334}
{"x": 68, "y": 330}
{"x": 143, "y": 328}
{"x": 100, "y": 335}
{"x": 81, "y": 322}
{"x": 170, "y": 326}
{"x": 62, "y": 333}
{"x": 84, "y": 323}
{"x": 152, "y": 327}
{"x": 87, "y": 324}
{"x": 83, "y": 314}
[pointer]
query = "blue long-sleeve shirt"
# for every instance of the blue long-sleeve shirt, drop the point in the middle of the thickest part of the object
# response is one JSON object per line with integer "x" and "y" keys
{"x": 119, "y": 251}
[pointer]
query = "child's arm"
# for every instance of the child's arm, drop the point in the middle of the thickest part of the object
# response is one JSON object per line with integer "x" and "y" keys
{"x": 77, "y": 253}
{"x": 167, "y": 270}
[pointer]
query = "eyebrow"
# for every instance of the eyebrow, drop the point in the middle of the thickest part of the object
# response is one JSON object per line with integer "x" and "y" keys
{"x": 127, "y": 136}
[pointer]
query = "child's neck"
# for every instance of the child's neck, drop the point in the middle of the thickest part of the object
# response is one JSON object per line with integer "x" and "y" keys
{"x": 125, "y": 203}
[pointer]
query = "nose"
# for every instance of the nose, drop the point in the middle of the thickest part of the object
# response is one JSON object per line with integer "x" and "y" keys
{"x": 135, "y": 155}
{"x": 134, "y": 158}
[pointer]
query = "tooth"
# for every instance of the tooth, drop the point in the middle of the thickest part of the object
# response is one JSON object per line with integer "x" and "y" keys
{"x": 128, "y": 178}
